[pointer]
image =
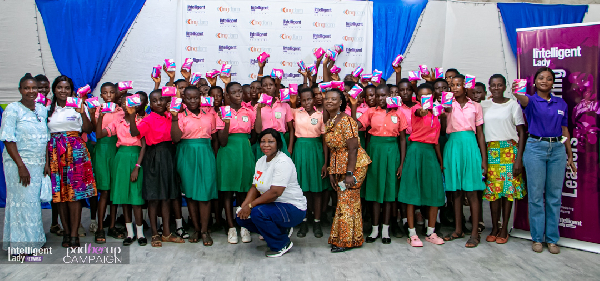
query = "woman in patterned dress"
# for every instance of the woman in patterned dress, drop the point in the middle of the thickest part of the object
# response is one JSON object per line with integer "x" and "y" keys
{"x": 347, "y": 169}
{"x": 25, "y": 134}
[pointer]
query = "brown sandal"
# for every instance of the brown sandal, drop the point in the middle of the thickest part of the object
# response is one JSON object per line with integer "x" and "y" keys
{"x": 453, "y": 236}
{"x": 194, "y": 237}
{"x": 206, "y": 239}
{"x": 472, "y": 242}
{"x": 173, "y": 239}
{"x": 156, "y": 242}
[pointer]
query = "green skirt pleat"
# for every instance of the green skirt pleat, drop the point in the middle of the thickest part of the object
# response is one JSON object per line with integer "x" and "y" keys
{"x": 421, "y": 182}
{"x": 197, "y": 169}
{"x": 123, "y": 190}
{"x": 284, "y": 148}
{"x": 381, "y": 183}
{"x": 362, "y": 137}
{"x": 286, "y": 137}
{"x": 104, "y": 155}
{"x": 235, "y": 163}
{"x": 462, "y": 162}
{"x": 308, "y": 158}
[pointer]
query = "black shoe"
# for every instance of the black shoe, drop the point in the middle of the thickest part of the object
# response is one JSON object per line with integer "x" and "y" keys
{"x": 121, "y": 220}
{"x": 303, "y": 229}
{"x": 160, "y": 229}
{"x": 386, "y": 240}
{"x": 397, "y": 230}
{"x": 128, "y": 241}
{"x": 317, "y": 229}
{"x": 336, "y": 249}
{"x": 145, "y": 224}
{"x": 106, "y": 222}
{"x": 370, "y": 239}
{"x": 143, "y": 241}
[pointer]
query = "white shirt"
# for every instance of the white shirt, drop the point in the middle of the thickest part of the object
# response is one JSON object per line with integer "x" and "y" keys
{"x": 280, "y": 171}
{"x": 65, "y": 119}
{"x": 501, "y": 120}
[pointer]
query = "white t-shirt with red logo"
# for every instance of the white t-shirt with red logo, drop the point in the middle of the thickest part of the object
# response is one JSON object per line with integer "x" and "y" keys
{"x": 280, "y": 171}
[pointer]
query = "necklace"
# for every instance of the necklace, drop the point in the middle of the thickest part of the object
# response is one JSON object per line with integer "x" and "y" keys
{"x": 331, "y": 121}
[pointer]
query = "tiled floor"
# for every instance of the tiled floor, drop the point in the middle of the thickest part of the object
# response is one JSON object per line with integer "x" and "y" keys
{"x": 310, "y": 259}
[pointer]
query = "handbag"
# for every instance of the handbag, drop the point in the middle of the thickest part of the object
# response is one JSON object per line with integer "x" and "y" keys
{"x": 46, "y": 190}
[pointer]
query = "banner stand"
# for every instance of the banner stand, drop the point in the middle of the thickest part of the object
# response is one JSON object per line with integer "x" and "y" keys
{"x": 563, "y": 242}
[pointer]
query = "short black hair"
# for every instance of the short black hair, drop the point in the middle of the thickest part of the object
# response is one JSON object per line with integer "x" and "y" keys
{"x": 425, "y": 86}
{"x": 266, "y": 77}
{"x": 453, "y": 70}
{"x": 383, "y": 87}
{"x": 403, "y": 80}
{"x": 460, "y": 76}
{"x": 306, "y": 89}
{"x": 370, "y": 86}
{"x": 41, "y": 78}
{"x": 440, "y": 80}
{"x": 479, "y": 84}
{"x": 191, "y": 88}
{"x": 178, "y": 81}
{"x": 274, "y": 133}
{"x": 26, "y": 77}
{"x": 349, "y": 84}
{"x": 233, "y": 84}
{"x": 497, "y": 76}
{"x": 342, "y": 97}
{"x": 108, "y": 84}
{"x": 216, "y": 87}
{"x": 157, "y": 91}
{"x": 542, "y": 69}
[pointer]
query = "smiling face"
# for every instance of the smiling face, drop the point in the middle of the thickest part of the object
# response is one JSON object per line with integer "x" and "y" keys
{"x": 544, "y": 81}
{"x": 497, "y": 87}
{"x": 158, "y": 103}
{"x": 29, "y": 90}
{"x": 43, "y": 87}
{"x": 63, "y": 91}
{"x": 108, "y": 93}
{"x": 235, "y": 94}
{"x": 332, "y": 101}
{"x": 191, "y": 99}
{"x": 268, "y": 145}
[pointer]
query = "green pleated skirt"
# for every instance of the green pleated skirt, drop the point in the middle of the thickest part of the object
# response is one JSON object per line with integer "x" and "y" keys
{"x": 309, "y": 160}
{"x": 362, "y": 137}
{"x": 104, "y": 155}
{"x": 235, "y": 164}
{"x": 123, "y": 190}
{"x": 381, "y": 183}
{"x": 197, "y": 169}
{"x": 260, "y": 154}
{"x": 462, "y": 162}
{"x": 421, "y": 182}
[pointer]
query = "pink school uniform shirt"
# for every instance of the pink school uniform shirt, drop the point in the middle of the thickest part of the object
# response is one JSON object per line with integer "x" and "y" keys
{"x": 276, "y": 116}
{"x": 308, "y": 126}
{"x": 464, "y": 118}
{"x": 242, "y": 120}
{"x": 121, "y": 129}
{"x": 110, "y": 117}
{"x": 408, "y": 114}
{"x": 425, "y": 129}
{"x": 200, "y": 126}
{"x": 155, "y": 128}
{"x": 383, "y": 124}
{"x": 360, "y": 110}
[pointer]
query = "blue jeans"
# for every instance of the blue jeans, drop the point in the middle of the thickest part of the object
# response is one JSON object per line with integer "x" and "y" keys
{"x": 273, "y": 221}
{"x": 545, "y": 164}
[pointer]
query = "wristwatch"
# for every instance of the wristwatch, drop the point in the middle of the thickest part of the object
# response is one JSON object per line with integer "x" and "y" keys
{"x": 348, "y": 173}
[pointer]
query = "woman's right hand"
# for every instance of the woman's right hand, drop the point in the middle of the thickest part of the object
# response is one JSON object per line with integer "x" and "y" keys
{"x": 514, "y": 87}
{"x": 24, "y": 177}
{"x": 47, "y": 170}
{"x": 324, "y": 171}
{"x": 332, "y": 182}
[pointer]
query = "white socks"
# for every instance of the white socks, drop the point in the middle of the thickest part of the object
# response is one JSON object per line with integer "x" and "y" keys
{"x": 129, "y": 227}
{"x": 140, "y": 230}
{"x": 375, "y": 231}
{"x": 404, "y": 220}
{"x": 179, "y": 223}
{"x": 316, "y": 220}
{"x": 412, "y": 232}
{"x": 430, "y": 230}
{"x": 385, "y": 231}
{"x": 427, "y": 222}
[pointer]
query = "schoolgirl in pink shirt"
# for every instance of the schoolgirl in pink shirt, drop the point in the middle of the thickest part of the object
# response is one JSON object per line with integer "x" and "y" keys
{"x": 277, "y": 116}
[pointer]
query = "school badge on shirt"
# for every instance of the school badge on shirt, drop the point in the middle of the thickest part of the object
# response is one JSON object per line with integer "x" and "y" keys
{"x": 244, "y": 118}
{"x": 314, "y": 121}
{"x": 278, "y": 115}
{"x": 395, "y": 119}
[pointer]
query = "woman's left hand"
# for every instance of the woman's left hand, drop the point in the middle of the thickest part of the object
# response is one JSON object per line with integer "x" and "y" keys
{"x": 572, "y": 165}
{"x": 134, "y": 174}
{"x": 244, "y": 213}
{"x": 484, "y": 169}
{"x": 81, "y": 109}
{"x": 324, "y": 171}
{"x": 399, "y": 172}
{"x": 349, "y": 182}
{"x": 517, "y": 168}
{"x": 47, "y": 170}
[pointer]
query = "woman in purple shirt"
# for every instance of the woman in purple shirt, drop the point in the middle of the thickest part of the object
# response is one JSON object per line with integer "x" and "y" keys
{"x": 546, "y": 153}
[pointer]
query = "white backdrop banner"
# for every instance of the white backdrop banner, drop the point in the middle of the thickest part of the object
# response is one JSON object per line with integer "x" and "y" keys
{"x": 236, "y": 32}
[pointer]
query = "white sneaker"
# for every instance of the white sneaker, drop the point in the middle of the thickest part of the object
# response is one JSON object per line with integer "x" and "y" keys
{"x": 232, "y": 236}
{"x": 245, "y": 233}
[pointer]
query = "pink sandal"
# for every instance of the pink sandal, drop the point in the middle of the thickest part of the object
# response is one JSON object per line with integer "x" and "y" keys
{"x": 434, "y": 239}
{"x": 415, "y": 241}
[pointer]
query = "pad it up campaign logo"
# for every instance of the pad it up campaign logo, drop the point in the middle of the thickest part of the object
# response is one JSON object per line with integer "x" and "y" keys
{"x": 351, "y": 24}
{"x": 292, "y": 37}
{"x": 225, "y": 48}
{"x": 259, "y": 49}
{"x": 195, "y": 49}
{"x": 226, "y": 35}
{"x": 222, "y": 62}
{"x": 228, "y": 21}
{"x": 323, "y": 11}
{"x": 194, "y": 34}
{"x": 291, "y": 49}
{"x": 292, "y": 23}
{"x": 261, "y": 23}
{"x": 197, "y": 22}
{"x": 258, "y": 36}
{"x": 324, "y": 24}
{"x": 196, "y": 8}
{"x": 291, "y": 11}
{"x": 354, "y": 13}
{"x": 228, "y": 9}
{"x": 352, "y": 39}
{"x": 322, "y": 37}
{"x": 259, "y": 9}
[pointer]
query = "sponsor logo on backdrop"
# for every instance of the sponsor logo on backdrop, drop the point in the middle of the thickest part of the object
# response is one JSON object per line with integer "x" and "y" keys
{"x": 287, "y": 49}
{"x": 226, "y": 48}
{"x": 259, "y": 8}
{"x": 353, "y": 39}
{"x": 196, "y": 22}
{"x": 194, "y": 34}
{"x": 541, "y": 57}
{"x": 221, "y": 62}
{"x": 322, "y": 37}
{"x": 353, "y": 50}
{"x": 292, "y": 37}
{"x": 196, "y": 8}
{"x": 354, "y": 24}
{"x": 354, "y": 13}
{"x": 350, "y": 65}
{"x": 228, "y": 10}
{"x": 197, "y": 60}
{"x": 261, "y": 22}
{"x": 258, "y": 36}
{"x": 228, "y": 21}
{"x": 291, "y": 75}
{"x": 253, "y": 76}
{"x": 253, "y": 61}
{"x": 287, "y": 63}
{"x": 324, "y": 24}
{"x": 323, "y": 10}
{"x": 292, "y": 23}
{"x": 259, "y": 49}
{"x": 195, "y": 49}
{"x": 291, "y": 11}
{"x": 226, "y": 35}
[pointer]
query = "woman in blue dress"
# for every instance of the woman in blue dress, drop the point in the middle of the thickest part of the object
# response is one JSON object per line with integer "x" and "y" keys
{"x": 25, "y": 134}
